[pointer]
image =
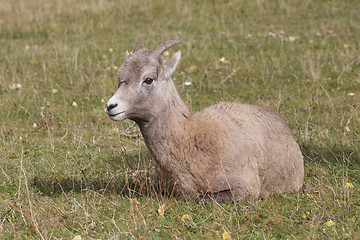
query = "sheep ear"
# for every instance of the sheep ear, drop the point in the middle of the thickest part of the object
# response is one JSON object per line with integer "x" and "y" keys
{"x": 127, "y": 54}
{"x": 171, "y": 64}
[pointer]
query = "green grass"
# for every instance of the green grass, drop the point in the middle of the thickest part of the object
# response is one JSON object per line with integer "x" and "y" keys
{"x": 67, "y": 171}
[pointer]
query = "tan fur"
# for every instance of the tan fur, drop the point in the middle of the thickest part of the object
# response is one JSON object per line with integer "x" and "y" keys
{"x": 228, "y": 151}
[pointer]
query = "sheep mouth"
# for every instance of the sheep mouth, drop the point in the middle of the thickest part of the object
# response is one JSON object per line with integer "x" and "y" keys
{"x": 113, "y": 115}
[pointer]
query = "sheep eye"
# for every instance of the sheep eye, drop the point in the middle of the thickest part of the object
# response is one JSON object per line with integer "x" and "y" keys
{"x": 148, "y": 81}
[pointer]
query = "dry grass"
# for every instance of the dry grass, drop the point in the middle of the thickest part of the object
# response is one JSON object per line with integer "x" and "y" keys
{"x": 67, "y": 170}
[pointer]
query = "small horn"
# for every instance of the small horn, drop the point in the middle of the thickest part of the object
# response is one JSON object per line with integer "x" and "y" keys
{"x": 137, "y": 46}
{"x": 156, "y": 52}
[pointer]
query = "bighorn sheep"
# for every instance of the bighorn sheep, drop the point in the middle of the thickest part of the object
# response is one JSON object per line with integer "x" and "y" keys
{"x": 228, "y": 151}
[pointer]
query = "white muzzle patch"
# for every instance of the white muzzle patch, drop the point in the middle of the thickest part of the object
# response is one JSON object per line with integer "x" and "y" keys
{"x": 115, "y": 108}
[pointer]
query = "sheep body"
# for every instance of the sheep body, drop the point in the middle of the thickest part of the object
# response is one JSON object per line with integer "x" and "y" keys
{"x": 247, "y": 149}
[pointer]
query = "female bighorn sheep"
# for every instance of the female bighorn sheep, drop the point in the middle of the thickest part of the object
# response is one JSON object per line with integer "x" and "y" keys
{"x": 228, "y": 151}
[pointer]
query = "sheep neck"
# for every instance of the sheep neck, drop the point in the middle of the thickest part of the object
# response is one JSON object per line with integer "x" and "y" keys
{"x": 165, "y": 134}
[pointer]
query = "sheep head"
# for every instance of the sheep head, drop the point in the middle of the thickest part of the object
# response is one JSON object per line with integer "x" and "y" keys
{"x": 143, "y": 81}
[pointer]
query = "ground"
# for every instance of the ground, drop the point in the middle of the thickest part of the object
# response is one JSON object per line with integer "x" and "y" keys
{"x": 66, "y": 170}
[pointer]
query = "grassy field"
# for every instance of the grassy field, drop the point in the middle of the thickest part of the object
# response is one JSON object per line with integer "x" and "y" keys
{"x": 66, "y": 170}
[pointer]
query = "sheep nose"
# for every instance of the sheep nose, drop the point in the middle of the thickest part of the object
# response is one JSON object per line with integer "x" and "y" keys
{"x": 111, "y": 106}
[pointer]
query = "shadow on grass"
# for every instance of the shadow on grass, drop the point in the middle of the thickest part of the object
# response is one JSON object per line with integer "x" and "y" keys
{"x": 113, "y": 186}
{"x": 131, "y": 184}
{"x": 121, "y": 180}
{"x": 131, "y": 176}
